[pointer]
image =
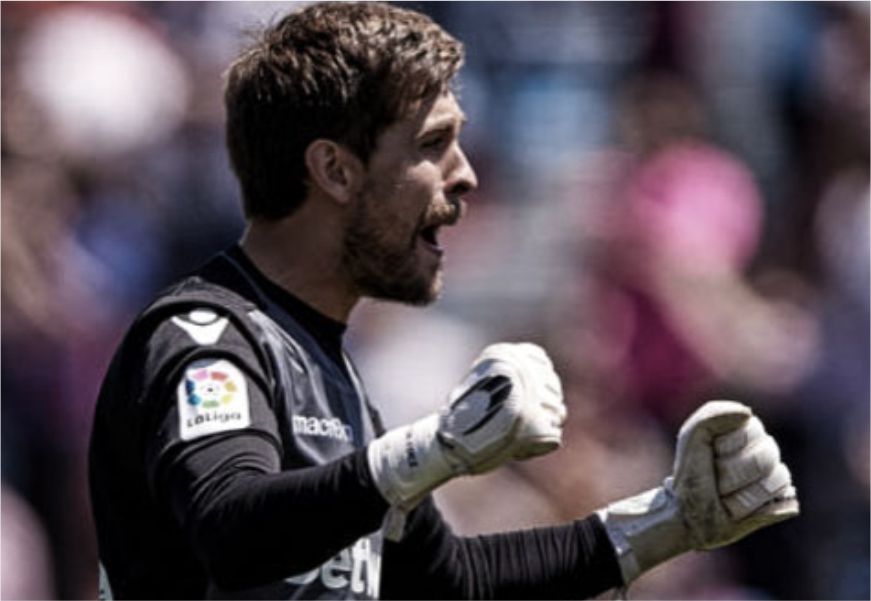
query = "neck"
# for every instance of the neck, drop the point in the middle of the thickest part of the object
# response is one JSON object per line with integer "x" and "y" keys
{"x": 304, "y": 261}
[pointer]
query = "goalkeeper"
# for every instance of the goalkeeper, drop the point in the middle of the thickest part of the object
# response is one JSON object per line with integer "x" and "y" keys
{"x": 234, "y": 453}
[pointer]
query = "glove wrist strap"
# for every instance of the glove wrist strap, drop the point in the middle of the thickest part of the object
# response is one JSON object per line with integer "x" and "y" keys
{"x": 645, "y": 530}
{"x": 406, "y": 464}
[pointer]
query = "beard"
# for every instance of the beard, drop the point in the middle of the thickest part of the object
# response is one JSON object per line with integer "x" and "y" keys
{"x": 383, "y": 263}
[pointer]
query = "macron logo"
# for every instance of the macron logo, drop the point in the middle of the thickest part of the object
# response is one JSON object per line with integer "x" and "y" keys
{"x": 321, "y": 426}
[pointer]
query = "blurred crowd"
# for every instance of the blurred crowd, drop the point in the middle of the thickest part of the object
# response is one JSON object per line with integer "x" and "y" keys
{"x": 674, "y": 201}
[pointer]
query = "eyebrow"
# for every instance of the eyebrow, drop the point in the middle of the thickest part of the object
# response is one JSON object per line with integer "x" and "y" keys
{"x": 443, "y": 123}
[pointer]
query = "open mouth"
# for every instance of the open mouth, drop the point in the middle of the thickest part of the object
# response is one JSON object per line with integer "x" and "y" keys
{"x": 429, "y": 236}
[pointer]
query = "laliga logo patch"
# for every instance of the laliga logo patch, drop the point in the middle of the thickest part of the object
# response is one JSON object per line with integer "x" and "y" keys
{"x": 210, "y": 388}
{"x": 212, "y": 397}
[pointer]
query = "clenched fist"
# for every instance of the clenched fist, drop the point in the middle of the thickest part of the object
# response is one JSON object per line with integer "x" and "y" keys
{"x": 509, "y": 406}
{"x": 728, "y": 480}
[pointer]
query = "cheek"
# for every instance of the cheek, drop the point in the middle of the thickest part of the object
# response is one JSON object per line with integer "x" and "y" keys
{"x": 406, "y": 199}
{"x": 382, "y": 217}
{"x": 422, "y": 186}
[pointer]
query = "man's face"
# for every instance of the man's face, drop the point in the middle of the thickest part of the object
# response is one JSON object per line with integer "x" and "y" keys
{"x": 414, "y": 181}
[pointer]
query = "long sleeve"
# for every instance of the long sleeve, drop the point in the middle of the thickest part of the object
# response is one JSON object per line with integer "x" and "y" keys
{"x": 251, "y": 523}
{"x": 571, "y": 561}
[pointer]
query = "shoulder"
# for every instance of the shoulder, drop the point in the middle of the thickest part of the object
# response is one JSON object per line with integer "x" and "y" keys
{"x": 197, "y": 341}
{"x": 186, "y": 322}
{"x": 194, "y": 294}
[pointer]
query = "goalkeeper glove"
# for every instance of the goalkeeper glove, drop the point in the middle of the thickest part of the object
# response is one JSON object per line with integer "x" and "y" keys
{"x": 510, "y": 406}
{"x": 728, "y": 480}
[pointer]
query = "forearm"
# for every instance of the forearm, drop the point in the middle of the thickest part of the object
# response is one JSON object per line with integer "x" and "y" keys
{"x": 571, "y": 561}
{"x": 250, "y": 526}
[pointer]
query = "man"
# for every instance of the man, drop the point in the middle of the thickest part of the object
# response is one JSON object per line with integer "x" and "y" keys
{"x": 234, "y": 452}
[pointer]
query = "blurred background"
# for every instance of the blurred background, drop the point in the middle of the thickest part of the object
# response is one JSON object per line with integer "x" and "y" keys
{"x": 674, "y": 201}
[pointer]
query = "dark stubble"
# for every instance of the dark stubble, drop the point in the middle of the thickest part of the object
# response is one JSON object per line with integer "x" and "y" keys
{"x": 382, "y": 264}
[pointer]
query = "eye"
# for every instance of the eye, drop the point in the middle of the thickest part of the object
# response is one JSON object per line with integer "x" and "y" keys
{"x": 436, "y": 141}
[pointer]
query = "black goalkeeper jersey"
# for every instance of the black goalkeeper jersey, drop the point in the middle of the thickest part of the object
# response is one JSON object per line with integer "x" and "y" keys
{"x": 227, "y": 460}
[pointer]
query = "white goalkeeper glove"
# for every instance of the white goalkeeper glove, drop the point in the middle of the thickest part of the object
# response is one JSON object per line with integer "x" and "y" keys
{"x": 509, "y": 406}
{"x": 728, "y": 480}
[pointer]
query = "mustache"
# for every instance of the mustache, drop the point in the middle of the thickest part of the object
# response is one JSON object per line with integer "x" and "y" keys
{"x": 456, "y": 211}
{"x": 444, "y": 214}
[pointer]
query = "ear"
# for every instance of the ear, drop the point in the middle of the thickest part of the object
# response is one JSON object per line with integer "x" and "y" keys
{"x": 334, "y": 169}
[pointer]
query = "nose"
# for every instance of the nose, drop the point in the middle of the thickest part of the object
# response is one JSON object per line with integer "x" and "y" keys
{"x": 462, "y": 179}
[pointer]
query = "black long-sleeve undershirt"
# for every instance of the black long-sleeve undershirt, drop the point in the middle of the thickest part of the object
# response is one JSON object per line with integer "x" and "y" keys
{"x": 251, "y": 523}
{"x": 570, "y": 561}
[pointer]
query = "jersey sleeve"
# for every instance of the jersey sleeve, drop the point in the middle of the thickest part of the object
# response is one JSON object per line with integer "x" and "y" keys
{"x": 214, "y": 460}
{"x": 203, "y": 381}
{"x": 570, "y": 561}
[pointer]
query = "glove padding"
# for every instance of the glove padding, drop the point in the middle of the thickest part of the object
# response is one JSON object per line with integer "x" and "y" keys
{"x": 728, "y": 480}
{"x": 509, "y": 406}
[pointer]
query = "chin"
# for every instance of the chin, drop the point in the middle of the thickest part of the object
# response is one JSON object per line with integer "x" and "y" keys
{"x": 431, "y": 295}
{"x": 430, "y": 290}
{"x": 418, "y": 291}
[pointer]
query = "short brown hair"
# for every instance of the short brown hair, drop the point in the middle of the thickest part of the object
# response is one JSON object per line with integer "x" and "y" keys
{"x": 336, "y": 70}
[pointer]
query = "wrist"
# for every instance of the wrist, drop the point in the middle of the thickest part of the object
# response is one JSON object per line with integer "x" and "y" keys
{"x": 407, "y": 462}
{"x": 645, "y": 530}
